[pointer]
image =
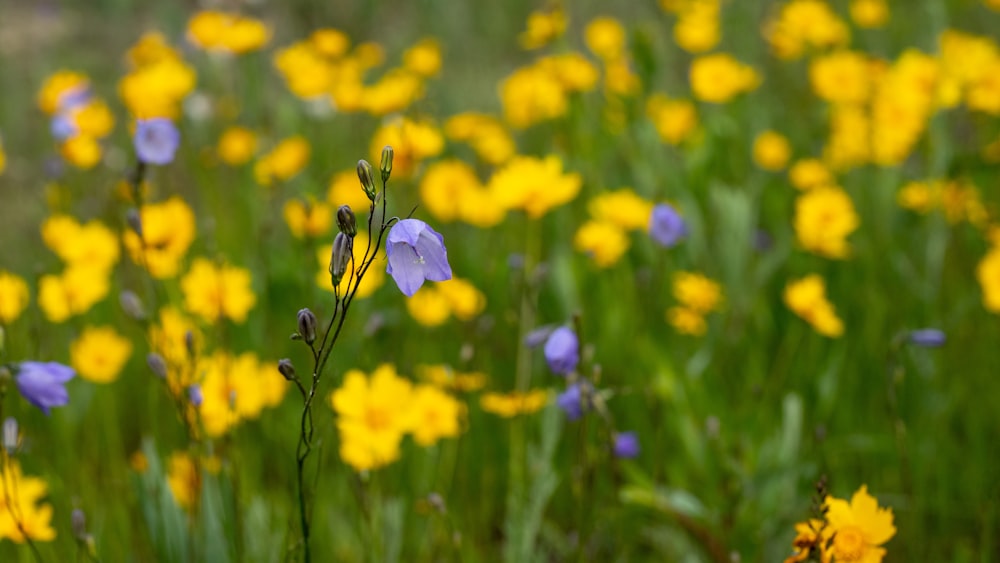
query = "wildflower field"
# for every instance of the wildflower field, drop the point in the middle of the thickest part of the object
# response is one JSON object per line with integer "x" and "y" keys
{"x": 677, "y": 280}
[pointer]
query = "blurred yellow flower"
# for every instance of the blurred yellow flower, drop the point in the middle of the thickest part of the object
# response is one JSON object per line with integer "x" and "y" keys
{"x": 285, "y": 160}
{"x": 806, "y": 298}
{"x": 444, "y": 185}
{"x": 904, "y": 101}
{"x": 687, "y": 321}
{"x": 573, "y": 71}
{"x": 237, "y": 145}
{"x": 509, "y": 405}
{"x": 697, "y": 292}
{"x": 809, "y": 173}
{"x": 184, "y": 479}
{"x": 176, "y": 338}
{"x": 345, "y": 189}
{"x": 151, "y": 48}
{"x": 99, "y": 354}
{"x": 423, "y": 58}
{"x": 14, "y": 297}
{"x": 429, "y": 306}
{"x": 92, "y": 119}
{"x": 329, "y": 42}
{"x": 307, "y": 219}
{"x": 718, "y": 78}
{"x": 412, "y": 142}
{"x": 236, "y": 388}
{"x": 374, "y": 277}
{"x": 224, "y": 32}
{"x": 82, "y": 151}
{"x": 58, "y": 87}
{"x": 485, "y": 133}
{"x": 843, "y": 77}
{"x": 988, "y": 274}
{"x": 674, "y": 120}
{"x": 534, "y": 185}
{"x": 803, "y": 24}
{"x": 849, "y": 144}
{"x": 168, "y": 230}
{"x": 433, "y": 304}
{"x": 619, "y": 79}
{"x": 444, "y": 376}
{"x": 542, "y": 28}
{"x": 605, "y": 37}
{"x": 71, "y": 293}
{"x": 479, "y": 207}
{"x": 22, "y": 515}
{"x": 920, "y": 197}
{"x": 603, "y": 241}
{"x": 92, "y": 245}
{"x": 858, "y": 528}
{"x": 373, "y": 415}
{"x": 531, "y": 95}
{"x": 697, "y": 28}
{"x": 869, "y": 14}
{"x": 771, "y": 151}
{"x": 155, "y": 88}
{"x": 213, "y": 292}
{"x": 3, "y": 157}
{"x": 622, "y": 208}
{"x": 824, "y": 217}
{"x": 434, "y": 415}
{"x": 307, "y": 72}
{"x": 394, "y": 92}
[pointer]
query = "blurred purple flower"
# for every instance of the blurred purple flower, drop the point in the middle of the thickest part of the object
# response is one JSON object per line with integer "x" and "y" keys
{"x": 156, "y": 140}
{"x": 666, "y": 225}
{"x": 927, "y": 338}
{"x": 562, "y": 350}
{"x": 43, "y": 383}
{"x": 73, "y": 98}
{"x": 626, "y": 445}
{"x": 62, "y": 127}
{"x": 195, "y": 396}
{"x": 537, "y": 337}
{"x": 415, "y": 253}
{"x": 569, "y": 402}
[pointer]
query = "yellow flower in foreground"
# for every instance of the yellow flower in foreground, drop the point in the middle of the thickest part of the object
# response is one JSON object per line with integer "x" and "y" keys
{"x": 824, "y": 217}
{"x": 373, "y": 414}
{"x": 869, "y": 13}
{"x": 718, "y": 78}
{"x": 13, "y": 297}
{"x": 213, "y": 292}
{"x": 603, "y": 241}
{"x": 310, "y": 219}
{"x": 236, "y": 388}
{"x": 514, "y": 403}
{"x": 988, "y": 274}
{"x": 807, "y": 538}
{"x": 99, "y": 354}
{"x": 542, "y": 28}
{"x": 73, "y": 292}
{"x": 533, "y": 184}
{"x": 806, "y": 298}
{"x": 285, "y": 160}
{"x": 771, "y": 151}
{"x": 21, "y": 515}
{"x": 434, "y": 415}
{"x": 674, "y": 120}
{"x": 697, "y": 292}
{"x": 374, "y": 277}
{"x": 236, "y": 145}
{"x": 858, "y": 529}
{"x": 167, "y": 231}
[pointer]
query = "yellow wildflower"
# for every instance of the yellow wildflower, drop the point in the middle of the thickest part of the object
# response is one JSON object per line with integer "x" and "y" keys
{"x": 60, "y": 87}
{"x": 236, "y": 146}
{"x": 443, "y": 187}
{"x": 687, "y": 321}
{"x": 802, "y": 24}
{"x": 573, "y": 71}
{"x": 213, "y": 292}
{"x": 622, "y": 208}
{"x": 429, "y": 306}
{"x": 531, "y": 95}
{"x": 920, "y": 197}
{"x": 167, "y": 231}
{"x": 509, "y": 405}
{"x": 230, "y": 33}
{"x": 464, "y": 299}
{"x": 771, "y": 151}
{"x": 988, "y": 274}
{"x": 697, "y": 292}
{"x": 479, "y": 207}
{"x": 236, "y": 388}
{"x": 605, "y": 37}
{"x": 176, "y": 338}
{"x": 184, "y": 479}
{"x": 697, "y": 27}
{"x": 542, "y": 28}
{"x": 824, "y": 217}
{"x": 412, "y": 142}
{"x": 331, "y": 43}
{"x": 423, "y": 58}
{"x": 307, "y": 72}
{"x": 487, "y": 135}
{"x": 857, "y": 529}
{"x": 444, "y": 376}
{"x": 156, "y": 88}
{"x": 603, "y": 241}
{"x": 393, "y": 93}
{"x": 806, "y": 298}
{"x": 99, "y": 354}
{"x": 533, "y": 184}
{"x": 285, "y": 160}
{"x": 674, "y": 120}
{"x": 22, "y": 516}
{"x": 842, "y": 77}
{"x": 14, "y": 297}
{"x": 92, "y": 119}
{"x": 71, "y": 293}
{"x": 345, "y": 189}
{"x": 719, "y": 78}
{"x": 82, "y": 151}
{"x": 850, "y": 137}
{"x": 307, "y": 219}
{"x": 809, "y": 173}
{"x": 434, "y": 415}
{"x": 869, "y": 14}
{"x": 373, "y": 414}
{"x": 92, "y": 245}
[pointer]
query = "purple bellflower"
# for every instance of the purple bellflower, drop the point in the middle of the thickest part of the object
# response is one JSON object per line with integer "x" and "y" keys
{"x": 156, "y": 140}
{"x": 562, "y": 350}
{"x": 927, "y": 338}
{"x": 569, "y": 402}
{"x": 415, "y": 253}
{"x": 626, "y": 445}
{"x": 43, "y": 383}
{"x": 666, "y": 225}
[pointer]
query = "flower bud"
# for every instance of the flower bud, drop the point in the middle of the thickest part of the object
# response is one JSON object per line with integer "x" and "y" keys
{"x": 307, "y": 325}
{"x": 367, "y": 182}
{"x": 195, "y": 396}
{"x": 385, "y": 166}
{"x": 132, "y": 305}
{"x": 340, "y": 257}
{"x": 134, "y": 221}
{"x": 286, "y": 369}
{"x": 346, "y": 221}
{"x": 189, "y": 343}
{"x": 927, "y": 338}
{"x": 157, "y": 364}
{"x": 11, "y": 435}
{"x": 78, "y": 522}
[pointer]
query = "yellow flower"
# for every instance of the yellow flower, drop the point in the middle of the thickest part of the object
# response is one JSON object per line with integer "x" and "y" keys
{"x": 13, "y": 297}
{"x": 310, "y": 219}
{"x": 22, "y": 517}
{"x": 479, "y": 207}
{"x": 184, "y": 479}
{"x": 988, "y": 274}
{"x": 444, "y": 376}
{"x": 509, "y": 405}
{"x": 99, "y": 354}
{"x": 531, "y": 95}
{"x": 285, "y": 160}
{"x": 542, "y": 28}
{"x": 687, "y": 321}
{"x": 170, "y": 338}
{"x": 423, "y": 58}
{"x": 73, "y": 292}
{"x": 213, "y": 292}
{"x": 156, "y": 88}
{"x": 623, "y": 208}
{"x": 697, "y": 292}
{"x": 236, "y": 388}
{"x": 719, "y": 78}
{"x": 488, "y": 137}
{"x": 842, "y": 77}
{"x": 58, "y": 87}
{"x": 807, "y": 538}
{"x": 858, "y": 528}
{"x": 605, "y": 37}
{"x": 810, "y": 173}
{"x": 167, "y": 231}
{"x": 3, "y": 157}
{"x": 151, "y": 48}
{"x": 444, "y": 185}
{"x": 603, "y": 241}
{"x": 802, "y": 24}
{"x": 82, "y": 151}
{"x": 850, "y": 137}
{"x": 992, "y": 4}
{"x": 237, "y": 145}
{"x": 393, "y": 93}
{"x": 434, "y": 415}
{"x": 697, "y": 27}
{"x": 806, "y": 298}
{"x": 771, "y": 151}
{"x": 307, "y": 72}
{"x": 573, "y": 71}
{"x": 374, "y": 277}
{"x": 429, "y": 306}
{"x": 920, "y": 197}
{"x": 619, "y": 78}
{"x": 92, "y": 119}
{"x": 464, "y": 300}
{"x": 219, "y": 31}
{"x": 92, "y": 245}
{"x": 674, "y": 120}
{"x": 329, "y": 42}
{"x": 824, "y": 217}
{"x": 412, "y": 142}
{"x": 345, "y": 189}
{"x": 869, "y": 14}
{"x": 905, "y": 99}
{"x": 533, "y": 184}
{"x": 373, "y": 414}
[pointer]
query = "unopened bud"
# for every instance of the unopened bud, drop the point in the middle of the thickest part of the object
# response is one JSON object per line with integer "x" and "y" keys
{"x": 132, "y": 305}
{"x": 79, "y": 524}
{"x": 189, "y": 343}
{"x": 307, "y": 325}
{"x": 346, "y": 221}
{"x": 195, "y": 395}
{"x": 11, "y": 435}
{"x": 339, "y": 258}
{"x": 157, "y": 364}
{"x": 367, "y": 182}
{"x": 385, "y": 166}
{"x": 286, "y": 369}
{"x": 134, "y": 221}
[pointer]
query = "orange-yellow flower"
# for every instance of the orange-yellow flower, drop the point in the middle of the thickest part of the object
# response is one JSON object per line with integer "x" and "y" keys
{"x": 535, "y": 185}
{"x": 213, "y": 292}
{"x": 99, "y": 354}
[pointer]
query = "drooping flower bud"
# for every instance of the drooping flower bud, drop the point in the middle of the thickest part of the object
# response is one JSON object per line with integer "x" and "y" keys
{"x": 157, "y": 365}
{"x": 307, "y": 325}
{"x": 132, "y": 305}
{"x": 346, "y": 221}
{"x": 340, "y": 257}
{"x": 78, "y": 521}
{"x": 134, "y": 221}
{"x": 11, "y": 435}
{"x": 385, "y": 166}
{"x": 286, "y": 369}
{"x": 367, "y": 181}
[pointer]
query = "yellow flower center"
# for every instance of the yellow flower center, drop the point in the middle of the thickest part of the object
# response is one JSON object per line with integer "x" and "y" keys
{"x": 849, "y": 544}
{"x": 377, "y": 419}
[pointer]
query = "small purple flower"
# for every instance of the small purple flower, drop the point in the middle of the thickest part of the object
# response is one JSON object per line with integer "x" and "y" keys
{"x": 927, "y": 338}
{"x": 415, "y": 253}
{"x": 626, "y": 445}
{"x": 62, "y": 127}
{"x": 43, "y": 383}
{"x": 195, "y": 395}
{"x": 537, "y": 337}
{"x": 156, "y": 140}
{"x": 666, "y": 225}
{"x": 73, "y": 98}
{"x": 569, "y": 402}
{"x": 562, "y": 350}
